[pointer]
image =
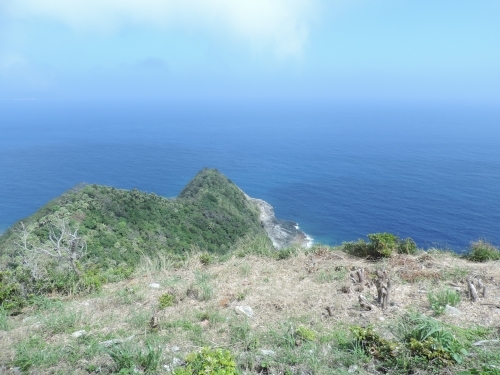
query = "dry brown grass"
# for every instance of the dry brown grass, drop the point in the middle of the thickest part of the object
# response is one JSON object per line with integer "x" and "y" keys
{"x": 301, "y": 287}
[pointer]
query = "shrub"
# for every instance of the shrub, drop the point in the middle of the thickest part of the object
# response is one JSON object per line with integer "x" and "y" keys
{"x": 208, "y": 362}
{"x": 384, "y": 244}
{"x": 206, "y": 259}
{"x": 381, "y": 245}
{"x": 441, "y": 298}
{"x": 482, "y": 251}
{"x": 11, "y": 298}
{"x": 360, "y": 248}
{"x": 407, "y": 246}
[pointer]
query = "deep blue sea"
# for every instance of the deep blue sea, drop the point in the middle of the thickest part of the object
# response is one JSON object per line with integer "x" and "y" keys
{"x": 341, "y": 172}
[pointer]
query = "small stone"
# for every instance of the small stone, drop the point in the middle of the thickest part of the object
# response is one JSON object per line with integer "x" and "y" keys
{"x": 154, "y": 286}
{"x": 352, "y": 369}
{"x": 450, "y": 310}
{"x": 174, "y": 349}
{"x": 244, "y": 310}
{"x": 224, "y": 302}
{"x": 78, "y": 333}
{"x": 267, "y": 352}
{"x": 112, "y": 342}
{"x": 381, "y": 318}
{"x": 176, "y": 362}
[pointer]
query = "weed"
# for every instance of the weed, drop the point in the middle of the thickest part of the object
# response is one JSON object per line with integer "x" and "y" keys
{"x": 372, "y": 344}
{"x": 34, "y": 352}
{"x": 130, "y": 360}
{"x": 285, "y": 253}
{"x": 4, "y": 324}
{"x": 328, "y": 276}
{"x": 206, "y": 259}
{"x": 241, "y": 334}
{"x": 209, "y": 361}
{"x": 205, "y": 290}
{"x": 483, "y": 371}
{"x": 438, "y": 300}
{"x": 245, "y": 269}
{"x": 407, "y": 246}
{"x": 382, "y": 245}
{"x": 166, "y": 300}
{"x": 60, "y": 322}
{"x": 482, "y": 251}
{"x": 304, "y": 333}
{"x": 428, "y": 338}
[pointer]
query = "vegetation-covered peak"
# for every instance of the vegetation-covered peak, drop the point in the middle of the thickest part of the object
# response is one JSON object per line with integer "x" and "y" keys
{"x": 114, "y": 228}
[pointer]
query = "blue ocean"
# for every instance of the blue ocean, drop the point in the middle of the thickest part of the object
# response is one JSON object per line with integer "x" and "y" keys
{"x": 341, "y": 171}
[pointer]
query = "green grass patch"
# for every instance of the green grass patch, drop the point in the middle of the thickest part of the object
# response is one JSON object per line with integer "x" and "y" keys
{"x": 482, "y": 251}
{"x": 440, "y": 298}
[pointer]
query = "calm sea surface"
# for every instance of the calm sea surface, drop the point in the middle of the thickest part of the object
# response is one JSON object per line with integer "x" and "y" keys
{"x": 432, "y": 174}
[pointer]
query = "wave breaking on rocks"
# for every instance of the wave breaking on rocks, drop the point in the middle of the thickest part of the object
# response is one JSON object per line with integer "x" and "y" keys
{"x": 283, "y": 233}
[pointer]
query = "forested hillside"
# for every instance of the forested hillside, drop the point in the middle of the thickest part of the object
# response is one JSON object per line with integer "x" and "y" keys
{"x": 104, "y": 231}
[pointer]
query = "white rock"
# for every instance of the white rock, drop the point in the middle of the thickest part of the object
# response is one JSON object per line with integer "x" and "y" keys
{"x": 154, "y": 285}
{"x": 353, "y": 369}
{"x": 267, "y": 352}
{"x": 244, "y": 310}
{"x": 450, "y": 310}
{"x": 78, "y": 333}
{"x": 174, "y": 349}
{"x": 176, "y": 362}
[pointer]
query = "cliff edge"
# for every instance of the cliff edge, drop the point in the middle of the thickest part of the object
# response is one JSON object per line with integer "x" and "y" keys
{"x": 282, "y": 233}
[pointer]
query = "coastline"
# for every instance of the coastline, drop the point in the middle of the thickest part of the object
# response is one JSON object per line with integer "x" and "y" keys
{"x": 283, "y": 233}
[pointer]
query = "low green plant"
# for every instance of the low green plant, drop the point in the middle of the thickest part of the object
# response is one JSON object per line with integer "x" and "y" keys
{"x": 285, "y": 253}
{"x": 304, "y": 333}
{"x": 407, "y": 246}
{"x": 381, "y": 245}
{"x": 359, "y": 248}
{"x": 209, "y": 362}
{"x": 62, "y": 321}
{"x": 372, "y": 344}
{"x": 35, "y": 352}
{"x": 130, "y": 360}
{"x": 166, "y": 300}
{"x": 327, "y": 276}
{"x": 205, "y": 289}
{"x": 482, "y": 251}
{"x": 384, "y": 244}
{"x": 482, "y": 371}
{"x": 4, "y": 324}
{"x": 439, "y": 299}
{"x": 241, "y": 334}
{"x": 428, "y": 338}
{"x": 206, "y": 259}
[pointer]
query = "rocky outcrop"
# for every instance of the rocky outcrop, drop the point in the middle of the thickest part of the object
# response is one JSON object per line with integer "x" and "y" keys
{"x": 282, "y": 233}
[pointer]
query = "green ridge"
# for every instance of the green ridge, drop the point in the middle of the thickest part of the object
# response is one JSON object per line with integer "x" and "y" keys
{"x": 120, "y": 226}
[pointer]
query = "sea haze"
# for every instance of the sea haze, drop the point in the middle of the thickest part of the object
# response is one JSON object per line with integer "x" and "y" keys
{"x": 432, "y": 174}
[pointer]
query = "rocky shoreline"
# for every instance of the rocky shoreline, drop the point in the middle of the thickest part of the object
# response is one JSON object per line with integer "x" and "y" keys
{"x": 282, "y": 233}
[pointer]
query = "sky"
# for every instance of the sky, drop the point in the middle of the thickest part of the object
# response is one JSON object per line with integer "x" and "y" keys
{"x": 444, "y": 51}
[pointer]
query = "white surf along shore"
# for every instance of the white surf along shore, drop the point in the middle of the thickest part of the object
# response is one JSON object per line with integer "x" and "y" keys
{"x": 282, "y": 233}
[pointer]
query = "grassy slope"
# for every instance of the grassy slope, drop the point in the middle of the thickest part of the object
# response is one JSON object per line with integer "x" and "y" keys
{"x": 285, "y": 294}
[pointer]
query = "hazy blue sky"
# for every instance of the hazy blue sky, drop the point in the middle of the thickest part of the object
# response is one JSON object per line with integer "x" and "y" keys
{"x": 319, "y": 50}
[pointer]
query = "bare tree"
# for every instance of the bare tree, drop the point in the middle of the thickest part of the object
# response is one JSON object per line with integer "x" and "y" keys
{"x": 64, "y": 244}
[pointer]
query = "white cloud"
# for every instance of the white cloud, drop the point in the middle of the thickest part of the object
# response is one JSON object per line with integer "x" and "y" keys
{"x": 279, "y": 24}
